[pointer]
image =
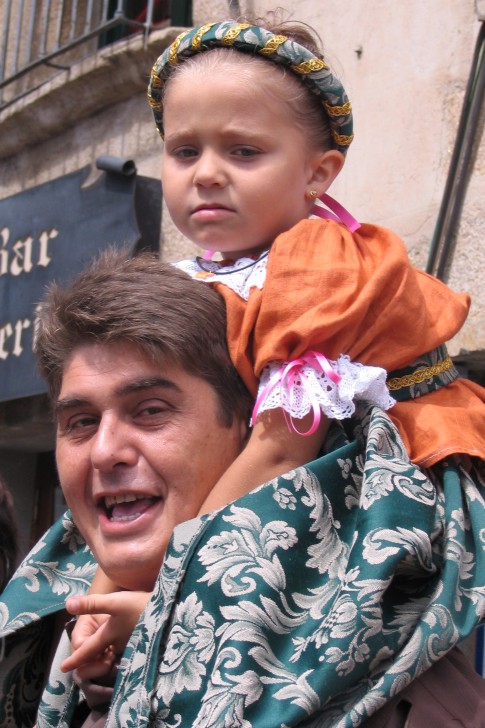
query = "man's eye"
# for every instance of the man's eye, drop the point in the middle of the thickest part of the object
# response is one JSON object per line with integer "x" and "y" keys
{"x": 152, "y": 410}
{"x": 78, "y": 424}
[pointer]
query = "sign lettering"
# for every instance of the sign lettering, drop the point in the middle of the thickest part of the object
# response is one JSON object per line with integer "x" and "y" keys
{"x": 50, "y": 233}
{"x": 23, "y": 255}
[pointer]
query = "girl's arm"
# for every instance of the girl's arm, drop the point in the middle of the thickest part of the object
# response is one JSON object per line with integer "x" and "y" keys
{"x": 95, "y": 632}
{"x": 102, "y": 584}
{"x": 87, "y": 625}
{"x": 272, "y": 450}
{"x": 115, "y": 617}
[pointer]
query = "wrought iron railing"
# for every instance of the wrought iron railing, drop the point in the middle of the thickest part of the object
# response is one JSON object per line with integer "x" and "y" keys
{"x": 40, "y": 38}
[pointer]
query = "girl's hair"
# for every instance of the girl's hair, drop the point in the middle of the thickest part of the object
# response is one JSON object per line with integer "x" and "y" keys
{"x": 289, "y": 61}
{"x": 305, "y": 107}
{"x": 276, "y": 81}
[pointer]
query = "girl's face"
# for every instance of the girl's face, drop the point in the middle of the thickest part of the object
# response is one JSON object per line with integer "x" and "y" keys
{"x": 236, "y": 168}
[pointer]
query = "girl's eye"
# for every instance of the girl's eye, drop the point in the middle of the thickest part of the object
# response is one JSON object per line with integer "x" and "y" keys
{"x": 185, "y": 152}
{"x": 246, "y": 152}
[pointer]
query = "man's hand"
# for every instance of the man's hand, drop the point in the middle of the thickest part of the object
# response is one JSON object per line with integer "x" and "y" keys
{"x": 102, "y": 631}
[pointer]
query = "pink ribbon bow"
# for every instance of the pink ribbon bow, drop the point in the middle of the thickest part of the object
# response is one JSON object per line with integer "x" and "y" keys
{"x": 292, "y": 373}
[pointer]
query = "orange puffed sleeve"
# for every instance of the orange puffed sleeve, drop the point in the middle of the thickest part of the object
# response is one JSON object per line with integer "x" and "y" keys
{"x": 338, "y": 292}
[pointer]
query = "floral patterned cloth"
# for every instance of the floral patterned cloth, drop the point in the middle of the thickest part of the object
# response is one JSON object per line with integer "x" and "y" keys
{"x": 311, "y": 601}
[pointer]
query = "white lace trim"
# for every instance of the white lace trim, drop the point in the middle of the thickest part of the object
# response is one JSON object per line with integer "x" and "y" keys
{"x": 358, "y": 382}
{"x": 240, "y": 277}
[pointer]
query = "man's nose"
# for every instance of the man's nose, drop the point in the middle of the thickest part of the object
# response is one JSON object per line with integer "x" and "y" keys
{"x": 209, "y": 170}
{"x": 113, "y": 445}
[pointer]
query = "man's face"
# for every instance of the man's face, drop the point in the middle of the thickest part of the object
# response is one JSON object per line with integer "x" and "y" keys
{"x": 139, "y": 447}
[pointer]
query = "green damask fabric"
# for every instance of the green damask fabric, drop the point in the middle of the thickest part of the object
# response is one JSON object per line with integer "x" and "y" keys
{"x": 309, "y": 602}
{"x": 60, "y": 565}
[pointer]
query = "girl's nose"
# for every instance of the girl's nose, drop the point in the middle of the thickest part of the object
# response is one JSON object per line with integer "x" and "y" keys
{"x": 112, "y": 446}
{"x": 209, "y": 170}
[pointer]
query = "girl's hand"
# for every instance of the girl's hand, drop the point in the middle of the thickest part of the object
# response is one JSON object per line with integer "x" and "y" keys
{"x": 98, "y": 638}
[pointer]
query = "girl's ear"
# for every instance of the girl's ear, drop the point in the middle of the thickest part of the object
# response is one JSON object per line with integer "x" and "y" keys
{"x": 325, "y": 168}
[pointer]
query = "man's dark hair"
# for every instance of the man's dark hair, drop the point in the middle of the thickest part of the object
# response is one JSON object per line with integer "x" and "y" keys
{"x": 151, "y": 304}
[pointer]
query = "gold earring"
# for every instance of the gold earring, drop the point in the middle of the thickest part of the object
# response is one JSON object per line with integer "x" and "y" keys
{"x": 311, "y": 194}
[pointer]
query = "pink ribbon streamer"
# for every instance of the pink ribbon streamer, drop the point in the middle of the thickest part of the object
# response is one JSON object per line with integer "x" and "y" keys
{"x": 287, "y": 376}
{"x": 339, "y": 213}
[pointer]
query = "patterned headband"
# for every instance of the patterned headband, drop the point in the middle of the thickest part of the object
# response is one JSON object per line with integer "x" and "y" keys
{"x": 313, "y": 71}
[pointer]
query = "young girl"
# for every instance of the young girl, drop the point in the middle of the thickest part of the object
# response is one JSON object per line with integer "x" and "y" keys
{"x": 321, "y": 312}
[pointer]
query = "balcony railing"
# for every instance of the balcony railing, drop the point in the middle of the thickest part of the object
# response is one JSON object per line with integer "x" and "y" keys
{"x": 40, "y": 38}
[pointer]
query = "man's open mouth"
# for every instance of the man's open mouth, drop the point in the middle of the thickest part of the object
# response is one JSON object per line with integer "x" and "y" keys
{"x": 126, "y": 507}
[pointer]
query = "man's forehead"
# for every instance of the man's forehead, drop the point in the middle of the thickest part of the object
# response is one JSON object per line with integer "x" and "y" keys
{"x": 120, "y": 366}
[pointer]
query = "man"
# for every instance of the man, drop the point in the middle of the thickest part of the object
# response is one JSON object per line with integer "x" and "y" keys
{"x": 149, "y": 411}
{"x": 312, "y": 600}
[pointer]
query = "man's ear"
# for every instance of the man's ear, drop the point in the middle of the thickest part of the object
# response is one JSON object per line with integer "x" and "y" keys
{"x": 326, "y": 167}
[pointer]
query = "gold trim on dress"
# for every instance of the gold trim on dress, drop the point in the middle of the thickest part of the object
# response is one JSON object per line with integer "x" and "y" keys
{"x": 420, "y": 375}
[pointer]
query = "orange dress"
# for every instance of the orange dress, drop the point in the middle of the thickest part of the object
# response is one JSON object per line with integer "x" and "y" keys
{"x": 357, "y": 294}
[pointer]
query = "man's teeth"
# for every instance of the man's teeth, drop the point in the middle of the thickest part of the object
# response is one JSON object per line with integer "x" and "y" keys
{"x": 111, "y": 500}
{"x": 126, "y": 507}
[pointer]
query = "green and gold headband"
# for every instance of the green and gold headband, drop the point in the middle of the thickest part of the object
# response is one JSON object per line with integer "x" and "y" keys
{"x": 313, "y": 71}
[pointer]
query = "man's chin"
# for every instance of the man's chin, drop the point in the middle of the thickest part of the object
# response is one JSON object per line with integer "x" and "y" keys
{"x": 132, "y": 575}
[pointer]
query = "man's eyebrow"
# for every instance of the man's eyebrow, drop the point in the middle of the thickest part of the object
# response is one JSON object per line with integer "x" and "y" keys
{"x": 68, "y": 403}
{"x": 138, "y": 385}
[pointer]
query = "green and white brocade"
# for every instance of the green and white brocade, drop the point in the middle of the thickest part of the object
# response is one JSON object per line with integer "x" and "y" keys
{"x": 310, "y": 602}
